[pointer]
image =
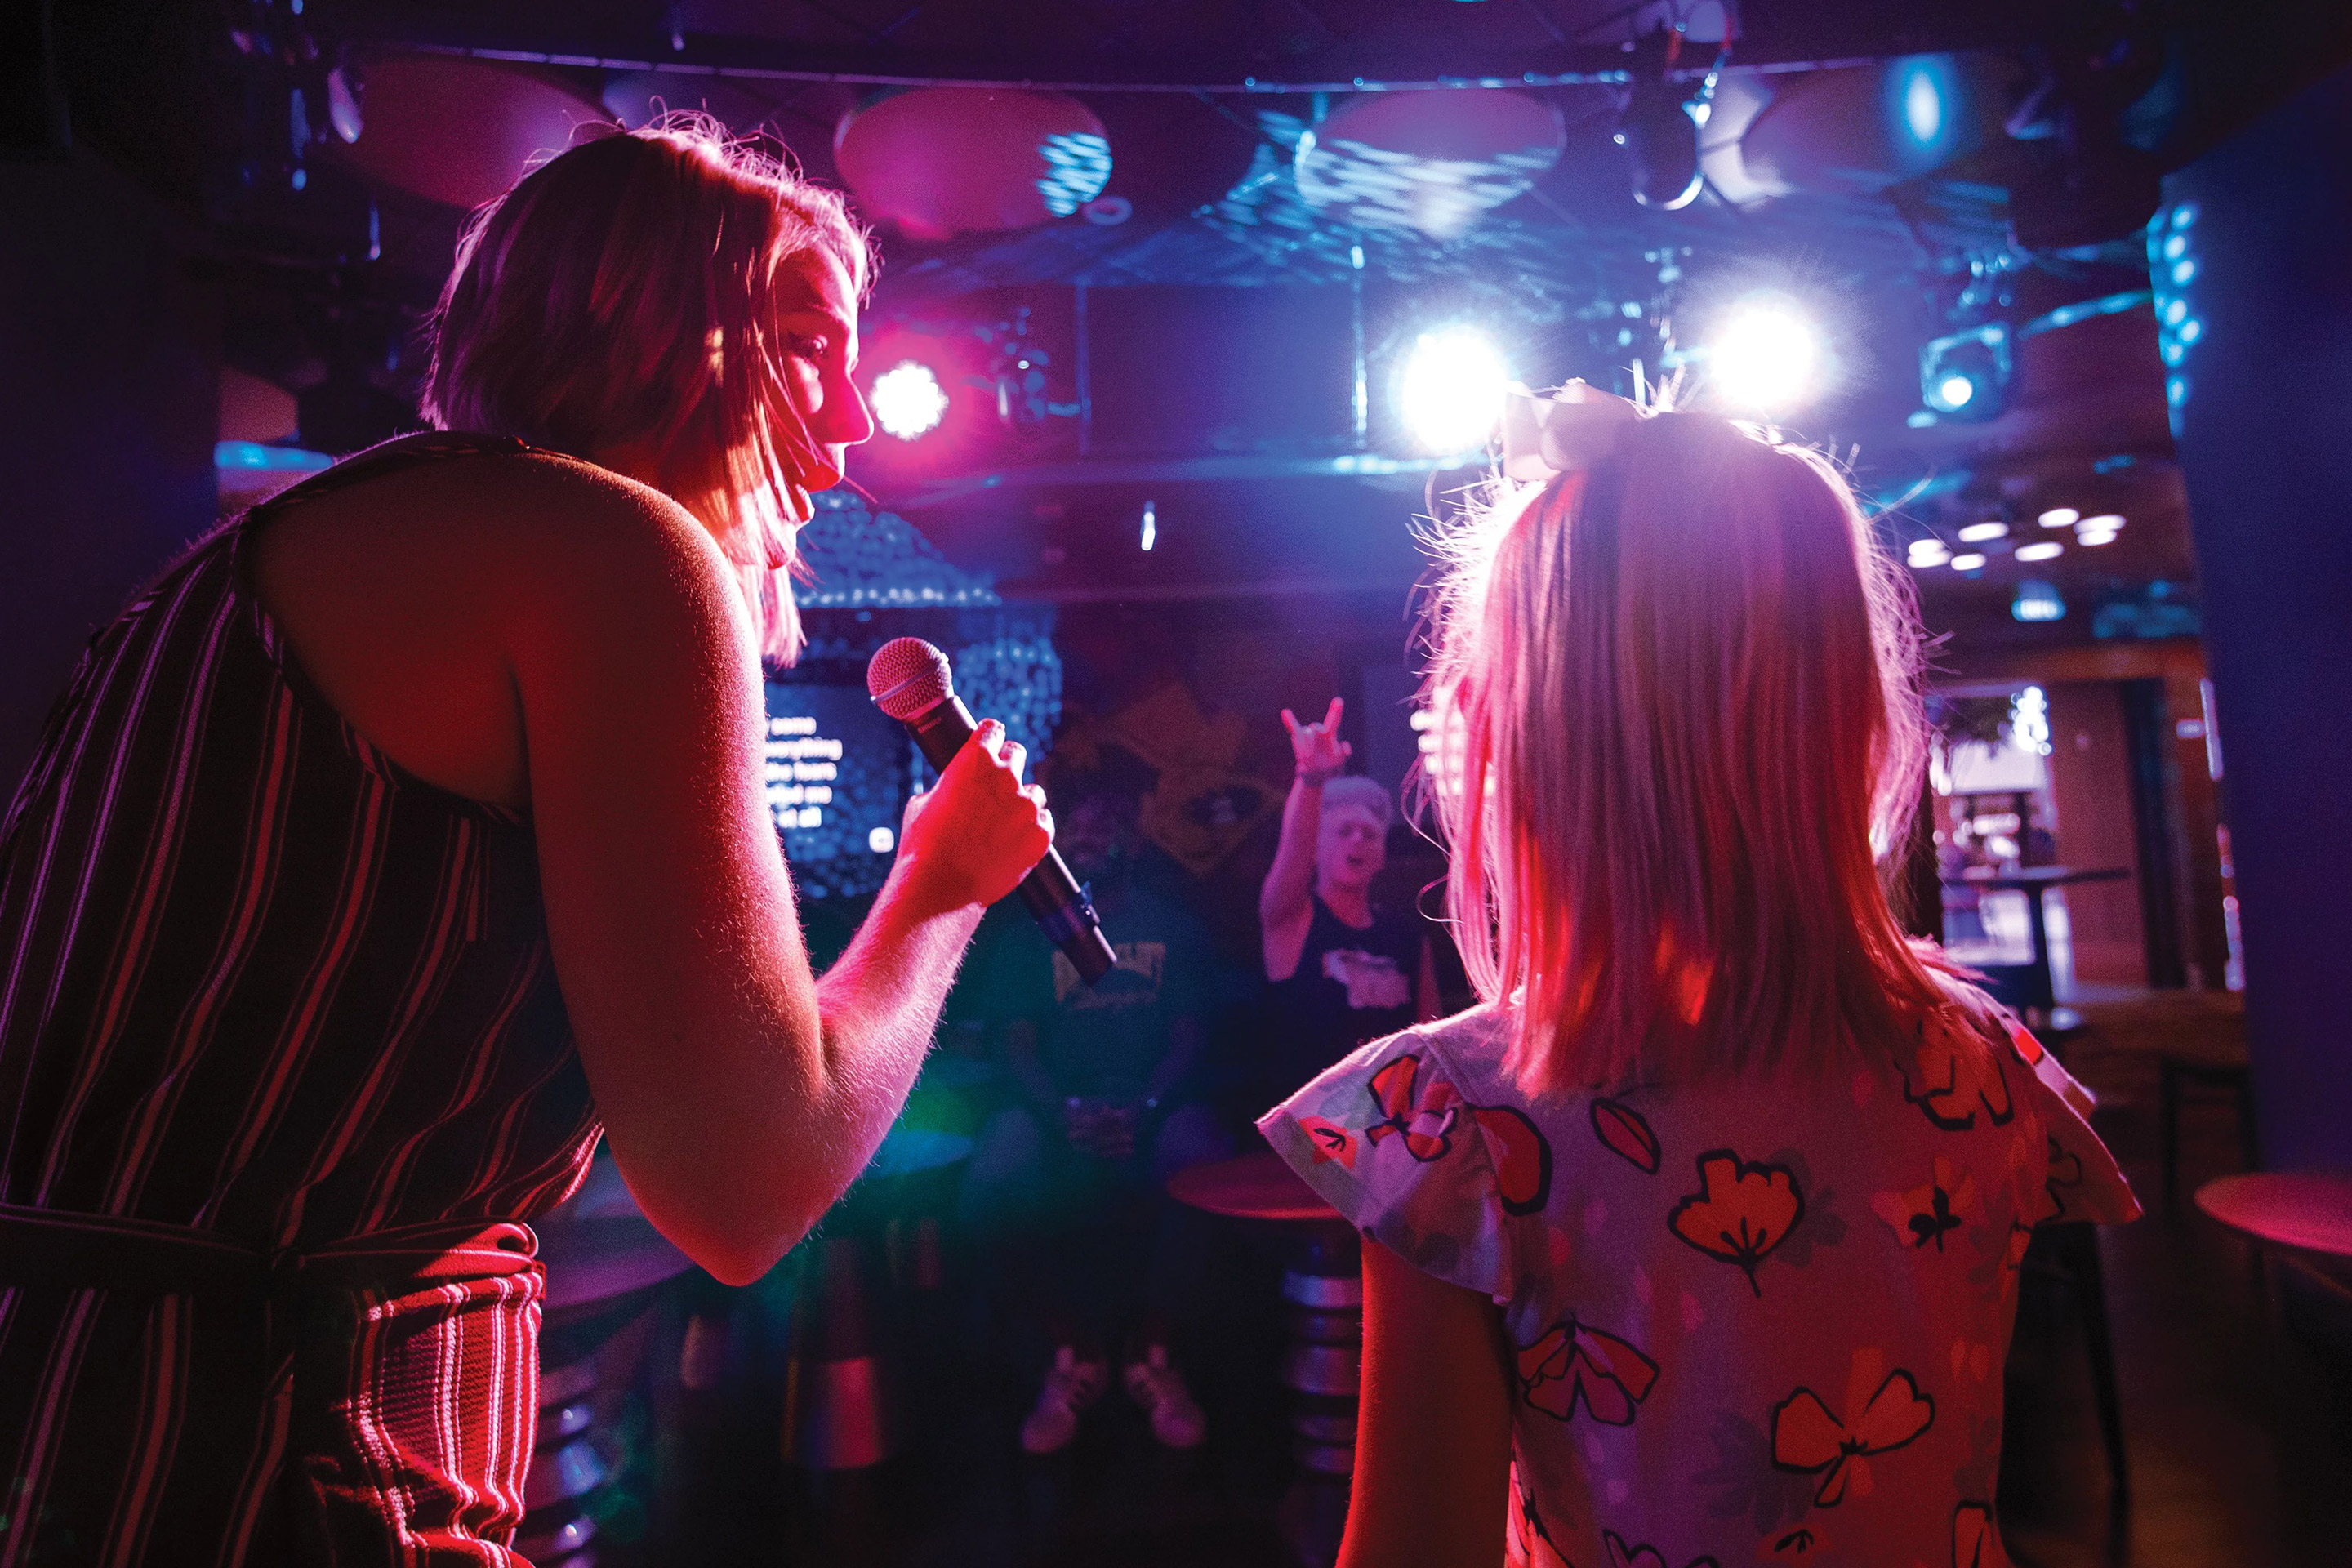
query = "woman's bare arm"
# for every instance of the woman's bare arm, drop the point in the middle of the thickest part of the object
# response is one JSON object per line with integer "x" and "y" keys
{"x": 740, "y": 1095}
{"x": 1286, "y": 901}
{"x": 1433, "y": 1438}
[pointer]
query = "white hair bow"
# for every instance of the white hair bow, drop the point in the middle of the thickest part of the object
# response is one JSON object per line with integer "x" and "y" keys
{"x": 1573, "y": 429}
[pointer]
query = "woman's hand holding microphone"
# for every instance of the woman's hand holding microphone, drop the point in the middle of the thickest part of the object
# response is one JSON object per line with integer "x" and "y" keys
{"x": 971, "y": 838}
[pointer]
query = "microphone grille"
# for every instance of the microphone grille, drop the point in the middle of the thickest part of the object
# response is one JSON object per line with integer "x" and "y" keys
{"x": 908, "y": 675}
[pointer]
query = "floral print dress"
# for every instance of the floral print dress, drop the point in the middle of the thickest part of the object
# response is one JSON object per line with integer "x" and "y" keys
{"x": 1754, "y": 1323}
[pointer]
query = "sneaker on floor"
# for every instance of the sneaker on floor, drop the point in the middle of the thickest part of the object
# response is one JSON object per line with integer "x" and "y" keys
{"x": 1070, "y": 1386}
{"x": 1176, "y": 1418}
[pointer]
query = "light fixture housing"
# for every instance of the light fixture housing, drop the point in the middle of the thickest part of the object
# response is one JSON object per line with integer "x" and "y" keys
{"x": 1964, "y": 375}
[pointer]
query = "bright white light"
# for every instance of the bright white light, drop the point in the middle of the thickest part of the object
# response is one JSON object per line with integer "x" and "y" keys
{"x": 2061, "y": 516}
{"x": 1923, "y": 106}
{"x": 2105, "y": 522}
{"x": 2029, "y": 720}
{"x": 2091, "y": 538}
{"x": 1151, "y": 524}
{"x": 2037, "y": 602}
{"x": 2041, "y": 549}
{"x": 1977, "y": 532}
{"x": 1927, "y": 552}
{"x": 1451, "y": 391}
{"x": 1766, "y": 356}
{"x": 1971, "y": 562}
{"x": 908, "y": 401}
{"x": 1956, "y": 391}
{"x": 881, "y": 840}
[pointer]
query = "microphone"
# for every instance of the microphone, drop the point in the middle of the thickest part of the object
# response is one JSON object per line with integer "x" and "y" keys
{"x": 909, "y": 680}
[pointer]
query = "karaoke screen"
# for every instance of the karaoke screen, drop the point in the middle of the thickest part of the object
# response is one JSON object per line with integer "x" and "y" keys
{"x": 836, "y": 772}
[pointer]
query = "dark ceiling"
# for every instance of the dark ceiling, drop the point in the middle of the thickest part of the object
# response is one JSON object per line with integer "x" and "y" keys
{"x": 1202, "y": 103}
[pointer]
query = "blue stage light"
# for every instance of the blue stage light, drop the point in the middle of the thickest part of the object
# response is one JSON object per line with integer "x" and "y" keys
{"x": 2037, "y": 601}
{"x": 1450, "y": 393}
{"x": 1923, "y": 105}
{"x": 1966, "y": 375}
{"x": 908, "y": 401}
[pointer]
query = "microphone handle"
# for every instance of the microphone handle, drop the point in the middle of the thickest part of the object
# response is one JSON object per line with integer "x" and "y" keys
{"x": 1052, "y": 895}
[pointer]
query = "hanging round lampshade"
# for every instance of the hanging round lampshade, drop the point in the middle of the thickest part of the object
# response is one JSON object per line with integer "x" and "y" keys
{"x": 461, "y": 131}
{"x": 943, "y": 160}
{"x": 1429, "y": 161}
{"x": 633, "y": 98}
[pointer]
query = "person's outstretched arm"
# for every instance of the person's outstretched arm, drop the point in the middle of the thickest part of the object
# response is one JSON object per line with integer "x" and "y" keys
{"x": 1433, "y": 1434}
{"x": 1285, "y": 901}
{"x": 741, "y": 1094}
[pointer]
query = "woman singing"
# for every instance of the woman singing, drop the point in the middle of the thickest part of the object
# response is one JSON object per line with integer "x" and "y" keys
{"x": 406, "y": 834}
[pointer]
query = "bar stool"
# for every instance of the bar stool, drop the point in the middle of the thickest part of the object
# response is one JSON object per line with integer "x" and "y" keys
{"x": 1323, "y": 1307}
{"x": 880, "y": 1247}
{"x": 605, "y": 1273}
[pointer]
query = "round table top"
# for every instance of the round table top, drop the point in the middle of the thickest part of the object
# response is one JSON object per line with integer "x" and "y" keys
{"x": 2310, "y": 1211}
{"x": 1252, "y": 1187}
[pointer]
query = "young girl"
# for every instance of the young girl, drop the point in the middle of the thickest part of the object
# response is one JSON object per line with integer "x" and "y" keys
{"x": 1697, "y": 1242}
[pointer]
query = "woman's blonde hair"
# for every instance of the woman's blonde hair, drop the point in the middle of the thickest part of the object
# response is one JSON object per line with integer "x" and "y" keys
{"x": 1685, "y": 688}
{"x": 624, "y": 295}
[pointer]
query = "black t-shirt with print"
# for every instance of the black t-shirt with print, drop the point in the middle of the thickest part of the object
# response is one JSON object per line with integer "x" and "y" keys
{"x": 1351, "y": 985}
{"x": 1107, "y": 1038}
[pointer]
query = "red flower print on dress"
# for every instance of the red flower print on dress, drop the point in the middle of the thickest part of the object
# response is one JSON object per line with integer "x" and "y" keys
{"x": 1972, "y": 1531}
{"x": 1424, "y": 1120}
{"x": 1623, "y": 1556}
{"x": 1806, "y": 1438}
{"x": 1520, "y": 1155}
{"x": 1957, "y": 1074}
{"x": 1923, "y": 1214}
{"x": 1572, "y": 1362}
{"x": 1331, "y": 1141}
{"x": 1623, "y": 1131}
{"x": 1741, "y": 1211}
{"x": 1525, "y": 1542}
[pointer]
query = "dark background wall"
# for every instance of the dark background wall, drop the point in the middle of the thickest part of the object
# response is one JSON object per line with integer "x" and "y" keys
{"x": 2264, "y": 414}
{"x": 108, "y": 408}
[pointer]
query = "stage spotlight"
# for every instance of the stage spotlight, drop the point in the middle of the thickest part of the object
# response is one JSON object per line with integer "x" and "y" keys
{"x": 2061, "y": 516}
{"x": 908, "y": 401}
{"x": 1450, "y": 393}
{"x": 1766, "y": 356}
{"x": 1965, "y": 376}
{"x": 1661, "y": 123}
{"x": 2041, "y": 550}
{"x": 1979, "y": 532}
{"x": 1927, "y": 553}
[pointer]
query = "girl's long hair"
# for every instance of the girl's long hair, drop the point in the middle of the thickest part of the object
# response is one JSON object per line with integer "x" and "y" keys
{"x": 625, "y": 295}
{"x": 1682, "y": 690}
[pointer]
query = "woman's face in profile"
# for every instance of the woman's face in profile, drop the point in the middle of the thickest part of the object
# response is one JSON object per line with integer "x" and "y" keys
{"x": 817, "y": 326}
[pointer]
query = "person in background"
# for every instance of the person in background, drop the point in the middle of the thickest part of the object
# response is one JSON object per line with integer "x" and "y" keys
{"x": 1069, "y": 1182}
{"x": 1341, "y": 971}
{"x": 405, "y": 835}
{"x": 1698, "y": 1240}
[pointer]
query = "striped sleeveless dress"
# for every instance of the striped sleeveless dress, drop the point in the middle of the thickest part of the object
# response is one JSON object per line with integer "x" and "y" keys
{"x": 283, "y": 1071}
